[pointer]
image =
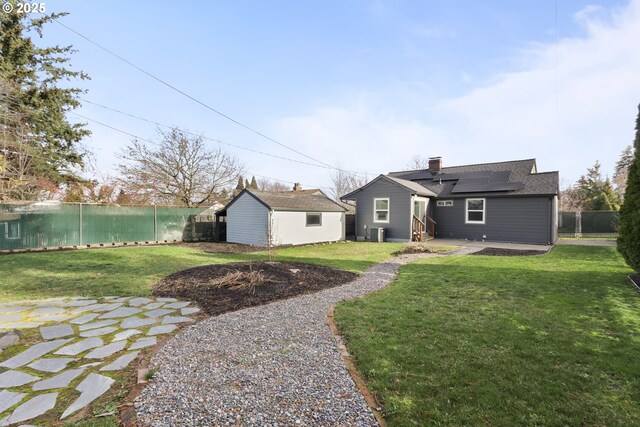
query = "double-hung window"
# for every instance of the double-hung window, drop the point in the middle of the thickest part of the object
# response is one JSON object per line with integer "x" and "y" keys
{"x": 381, "y": 210}
{"x": 475, "y": 211}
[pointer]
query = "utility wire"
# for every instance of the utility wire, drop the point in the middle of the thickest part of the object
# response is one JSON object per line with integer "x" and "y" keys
{"x": 205, "y": 137}
{"x": 170, "y": 86}
{"x": 114, "y": 128}
{"x": 155, "y": 143}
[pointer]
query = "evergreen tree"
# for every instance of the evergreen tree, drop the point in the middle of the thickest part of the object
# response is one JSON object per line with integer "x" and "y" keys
{"x": 246, "y": 184}
{"x": 629, "y": 239}
{"x": 240, "y": 185}
{"x": 605, "y": 200}
{"x": 254, "y": 183}
{"x": 40, "y": 98}
{"x": 595, "y": 193}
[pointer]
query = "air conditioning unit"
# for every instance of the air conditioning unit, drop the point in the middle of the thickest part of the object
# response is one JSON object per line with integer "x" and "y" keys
{"x": 376, "y": 234}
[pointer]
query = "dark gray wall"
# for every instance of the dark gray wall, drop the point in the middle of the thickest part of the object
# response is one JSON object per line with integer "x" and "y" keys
{"x": 508, "y": 219}
{"x": 554, "y": 219}
{"x": 399, "y": 213}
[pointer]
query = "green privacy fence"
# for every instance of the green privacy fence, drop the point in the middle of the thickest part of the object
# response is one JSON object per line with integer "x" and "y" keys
{"x": 53, "y": 225}
{"x": 588, "y": 223}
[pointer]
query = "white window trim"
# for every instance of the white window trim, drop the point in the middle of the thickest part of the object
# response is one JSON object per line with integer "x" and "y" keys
{"x": 444, "y": 203}
{"x": 375, "y": 217}
{"x": 484, "y": 211}
{"x": 307, "y": 219}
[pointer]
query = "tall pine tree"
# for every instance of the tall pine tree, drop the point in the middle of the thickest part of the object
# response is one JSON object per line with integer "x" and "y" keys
{"x": 240, "y": 185}
{"x": 629, "y": 240}
{"x": 40, "y": 96}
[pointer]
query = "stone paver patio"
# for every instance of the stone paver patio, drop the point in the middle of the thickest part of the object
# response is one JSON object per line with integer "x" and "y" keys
{"x": 79, "y": 343}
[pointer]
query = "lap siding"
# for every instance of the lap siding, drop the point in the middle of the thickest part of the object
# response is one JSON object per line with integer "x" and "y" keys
{"x": 511, "y": 219}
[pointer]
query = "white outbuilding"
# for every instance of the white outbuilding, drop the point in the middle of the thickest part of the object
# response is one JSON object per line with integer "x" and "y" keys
{"x": 283, "y": 218}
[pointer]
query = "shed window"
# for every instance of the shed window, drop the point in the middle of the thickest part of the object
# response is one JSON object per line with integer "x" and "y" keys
{"x": 445, "y": 203}
{"x": 12, "y": 230}
{"x": 381, "y": 210}
{"x": 475, "y": 212}
{"x": 314, "y": 219}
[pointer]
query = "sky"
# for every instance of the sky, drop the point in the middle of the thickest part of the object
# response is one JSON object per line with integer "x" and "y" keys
{"x": 362, "y": 85}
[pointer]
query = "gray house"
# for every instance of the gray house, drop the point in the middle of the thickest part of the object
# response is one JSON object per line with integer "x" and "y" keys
{"x": 506, "y": 201}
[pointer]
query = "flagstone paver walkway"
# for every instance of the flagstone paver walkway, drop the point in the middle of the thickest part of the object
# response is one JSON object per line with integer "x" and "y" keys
{"x": 79, "y": 342}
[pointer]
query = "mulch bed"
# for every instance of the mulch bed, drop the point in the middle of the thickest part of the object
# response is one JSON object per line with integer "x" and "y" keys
{"x": 212, "y": 289}
{"x": 635, "y": 280}
{"x": 419, "y": 249}
{"x": 509, "y": 252}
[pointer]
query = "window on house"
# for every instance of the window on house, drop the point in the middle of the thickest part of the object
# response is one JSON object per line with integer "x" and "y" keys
{"x": 314, "y": 219}
{"x": 381, "y": 210}
{"x": 475, "y": 211}
{"x": 445, "y": 203}
{"x": 12, "y": 230}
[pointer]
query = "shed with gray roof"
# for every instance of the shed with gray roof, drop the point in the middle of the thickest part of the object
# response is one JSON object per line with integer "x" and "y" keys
{"x": 503, "y": 201}
{"x": 296, "y": 217}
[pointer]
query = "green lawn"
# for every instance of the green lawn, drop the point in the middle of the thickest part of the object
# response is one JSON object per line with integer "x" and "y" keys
{"x": 133, "y": 270}
{"x": 503, "y": 341}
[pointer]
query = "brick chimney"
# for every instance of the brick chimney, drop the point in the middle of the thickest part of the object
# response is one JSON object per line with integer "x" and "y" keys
{"x": 297, "y": 187}
{"x": 435, "y": 164}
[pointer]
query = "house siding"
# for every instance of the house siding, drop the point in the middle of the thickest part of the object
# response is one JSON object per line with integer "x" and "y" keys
{"x": 399, "y": 227}
{"x": 247, "y": 221}
{"x": 514, "y": 219}
{"x": 554, "y": 218}
{"x": 289, "y": 228}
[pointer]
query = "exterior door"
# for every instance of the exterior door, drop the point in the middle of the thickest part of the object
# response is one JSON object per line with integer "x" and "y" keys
{"x": 420, "y": 209}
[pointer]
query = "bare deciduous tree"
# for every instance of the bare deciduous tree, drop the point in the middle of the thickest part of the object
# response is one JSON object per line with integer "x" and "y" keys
{"x": 418, "y": 162}
{"x": 570, "y": 198}
{"x": 179, "y": 170}
{"x": 345, "y": 182}
{"x": 268, "y": 185}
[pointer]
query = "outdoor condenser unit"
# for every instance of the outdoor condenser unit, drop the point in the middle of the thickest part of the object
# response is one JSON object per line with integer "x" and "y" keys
{"x": 376, "y": 234}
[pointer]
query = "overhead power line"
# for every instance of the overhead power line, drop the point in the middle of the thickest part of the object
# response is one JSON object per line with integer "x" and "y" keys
{"x": 203, "y": 136}
{"x": 201, "y": 103}
{"x": 155, "y": 143}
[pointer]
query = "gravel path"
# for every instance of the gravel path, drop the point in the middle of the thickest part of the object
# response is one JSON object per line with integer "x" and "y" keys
{"x": 272, "y": 365}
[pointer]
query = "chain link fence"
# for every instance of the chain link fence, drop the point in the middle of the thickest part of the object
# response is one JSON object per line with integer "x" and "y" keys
{"x": 588, "y": 224}
{"x": 56, "y": 225}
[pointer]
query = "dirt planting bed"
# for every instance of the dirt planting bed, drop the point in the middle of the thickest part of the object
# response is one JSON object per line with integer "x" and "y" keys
{"x": 220, "y": 288}
{"x": 509, "y": 252}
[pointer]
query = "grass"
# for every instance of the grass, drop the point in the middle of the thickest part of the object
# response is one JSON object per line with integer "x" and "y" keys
{"x": 133, "y": 271}
{"x": 502, "y": 341}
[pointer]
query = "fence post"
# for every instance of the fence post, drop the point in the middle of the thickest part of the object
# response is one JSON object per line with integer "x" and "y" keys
{"x": 579, "y": 224}
{"x": 155, "y": 222}
{"x": 81, "y": 236}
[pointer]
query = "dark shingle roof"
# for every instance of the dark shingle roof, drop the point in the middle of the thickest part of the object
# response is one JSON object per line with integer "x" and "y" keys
{"x": 411, "y": 186}
{"x": 513, "y": 178}
{"x": 310, "y": 201}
